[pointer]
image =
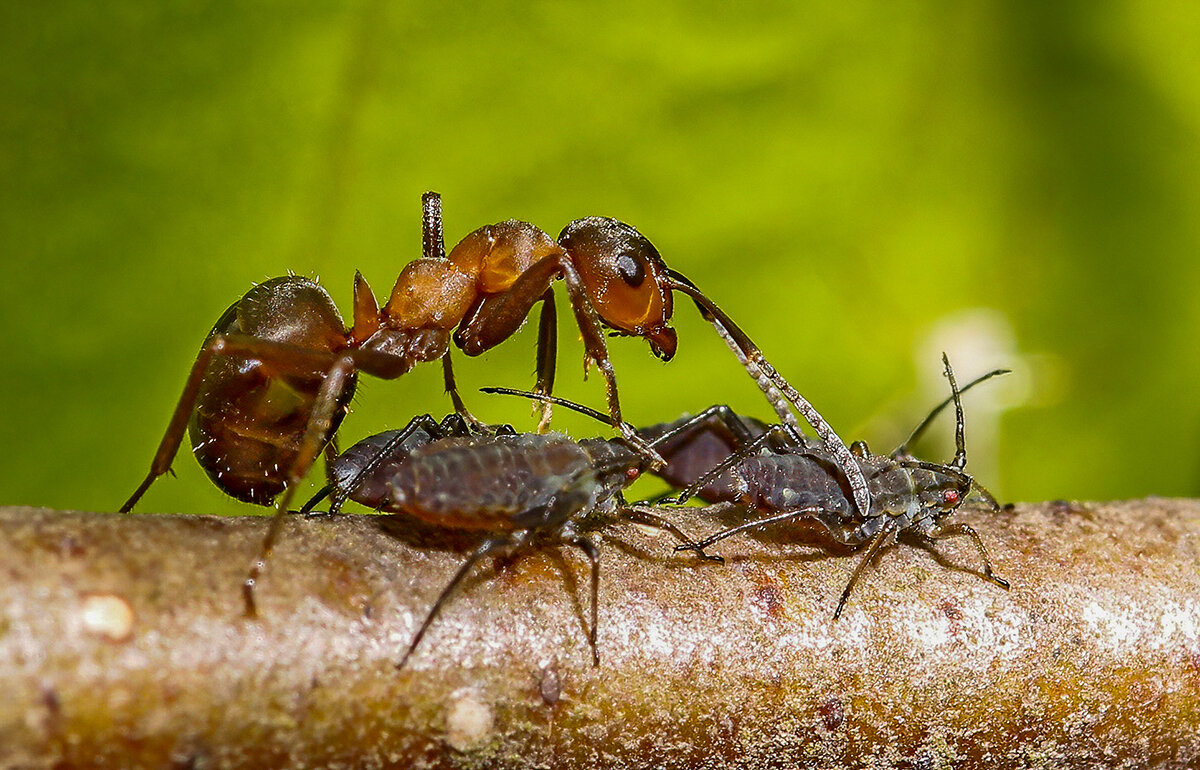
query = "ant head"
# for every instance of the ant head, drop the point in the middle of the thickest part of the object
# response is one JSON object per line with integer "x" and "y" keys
{"x": 624, "y": 278}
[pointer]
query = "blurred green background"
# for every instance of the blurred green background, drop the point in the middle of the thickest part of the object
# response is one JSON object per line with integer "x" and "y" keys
{"x": 859, "y": 185}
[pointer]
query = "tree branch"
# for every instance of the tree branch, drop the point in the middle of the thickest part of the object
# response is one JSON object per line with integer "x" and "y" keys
{"x": 122, "y": 643}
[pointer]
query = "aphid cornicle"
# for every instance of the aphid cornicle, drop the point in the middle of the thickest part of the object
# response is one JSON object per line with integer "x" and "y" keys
{"x": 514, "y": 489}
{"x": 784, "y": 477}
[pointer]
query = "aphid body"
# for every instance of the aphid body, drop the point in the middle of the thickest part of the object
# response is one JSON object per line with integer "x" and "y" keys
{"x": 515, "y": 489}
{"x": 781, "y": 477}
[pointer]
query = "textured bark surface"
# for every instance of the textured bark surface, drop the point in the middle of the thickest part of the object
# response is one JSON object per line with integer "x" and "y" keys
{"x": 122, "y": 644}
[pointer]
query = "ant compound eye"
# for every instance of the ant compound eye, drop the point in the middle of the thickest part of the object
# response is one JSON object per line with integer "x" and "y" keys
{"x": 631, "y": 269}
{"x": 951, "y": 497}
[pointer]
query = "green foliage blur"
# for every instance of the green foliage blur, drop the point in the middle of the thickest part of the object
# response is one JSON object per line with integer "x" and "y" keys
{"x": 860, "y": 185}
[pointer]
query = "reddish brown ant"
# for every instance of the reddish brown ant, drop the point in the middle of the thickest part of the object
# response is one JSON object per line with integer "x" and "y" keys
{"x": 515, "y": 488}
{"x": 277, "y": 372}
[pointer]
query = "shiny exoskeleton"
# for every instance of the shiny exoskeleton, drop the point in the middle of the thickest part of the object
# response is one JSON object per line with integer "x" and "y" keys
{"x": 514, "y": 489}
{"x": 733, "y": 461}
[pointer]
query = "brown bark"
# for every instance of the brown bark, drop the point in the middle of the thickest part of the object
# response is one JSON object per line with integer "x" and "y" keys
{"x": 122, "y": 645}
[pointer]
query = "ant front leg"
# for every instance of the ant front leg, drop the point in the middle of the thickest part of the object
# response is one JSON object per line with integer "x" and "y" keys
{"x": 596, "y": 349}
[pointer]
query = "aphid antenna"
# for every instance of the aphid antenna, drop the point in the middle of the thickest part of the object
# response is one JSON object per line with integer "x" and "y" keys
{"x": 546, "y": 399}
{"x": 584, "y": 410}
{"x": 960, "y": 444}
{"x": 924, "y": 424}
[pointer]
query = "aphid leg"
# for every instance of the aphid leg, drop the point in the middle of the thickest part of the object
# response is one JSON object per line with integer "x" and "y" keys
{"x": 593, "y": 554}
{"x": 547, "y": 356}
{"x": 485, "y": 548}
{"x": 597, "y": 350}
{"x": 877, "y": 542}
{"x": 458, "y": 427}
{"x": 953, "y": 530}
{"x": 772, "y": 383}
{"x": 643, "y": 514}
{"x": 902, "y": 450}
{"x": 774, "y": 518}
{"x": 747, "y": 449}
{"x": 321, "y": 494}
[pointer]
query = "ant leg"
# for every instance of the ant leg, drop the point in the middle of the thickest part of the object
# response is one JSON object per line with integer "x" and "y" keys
{"x": 953, "y": 530}
{"x": 596, "y": 349}
{"x": 918, "y": 431}
{"x": 319, "y": 424}
{"x": 452, "y": 388}
{"x": 877, "y": 543}
{"x": 589, "y": 549}
{"x": 644, "y": 514}
{"x": 547, "y": 355}
{"x": 485, "y": 548}
{"x": 773, "y": 385}
{"x": 774, "y": 518}
{"x": 498, "y": 316}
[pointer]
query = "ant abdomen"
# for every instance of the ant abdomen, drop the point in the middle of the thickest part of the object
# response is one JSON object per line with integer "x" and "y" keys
{"x": 249, "y": 413}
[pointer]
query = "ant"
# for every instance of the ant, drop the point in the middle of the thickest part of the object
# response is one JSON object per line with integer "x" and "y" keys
{"x": 798, "y": 478}
{"x": 515, "y": 488}
{"x": 276, "y": 374}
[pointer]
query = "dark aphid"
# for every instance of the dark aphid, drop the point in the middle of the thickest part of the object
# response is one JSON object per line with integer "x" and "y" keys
{"x": 769, "y": 470}
{"x": 514, "y": 489}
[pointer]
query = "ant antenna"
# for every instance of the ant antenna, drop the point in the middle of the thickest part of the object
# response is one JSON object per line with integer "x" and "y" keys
{"x": 433, "y": 246}
{"x": 960, "y": 446}
{"x": 920, "y": 429}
